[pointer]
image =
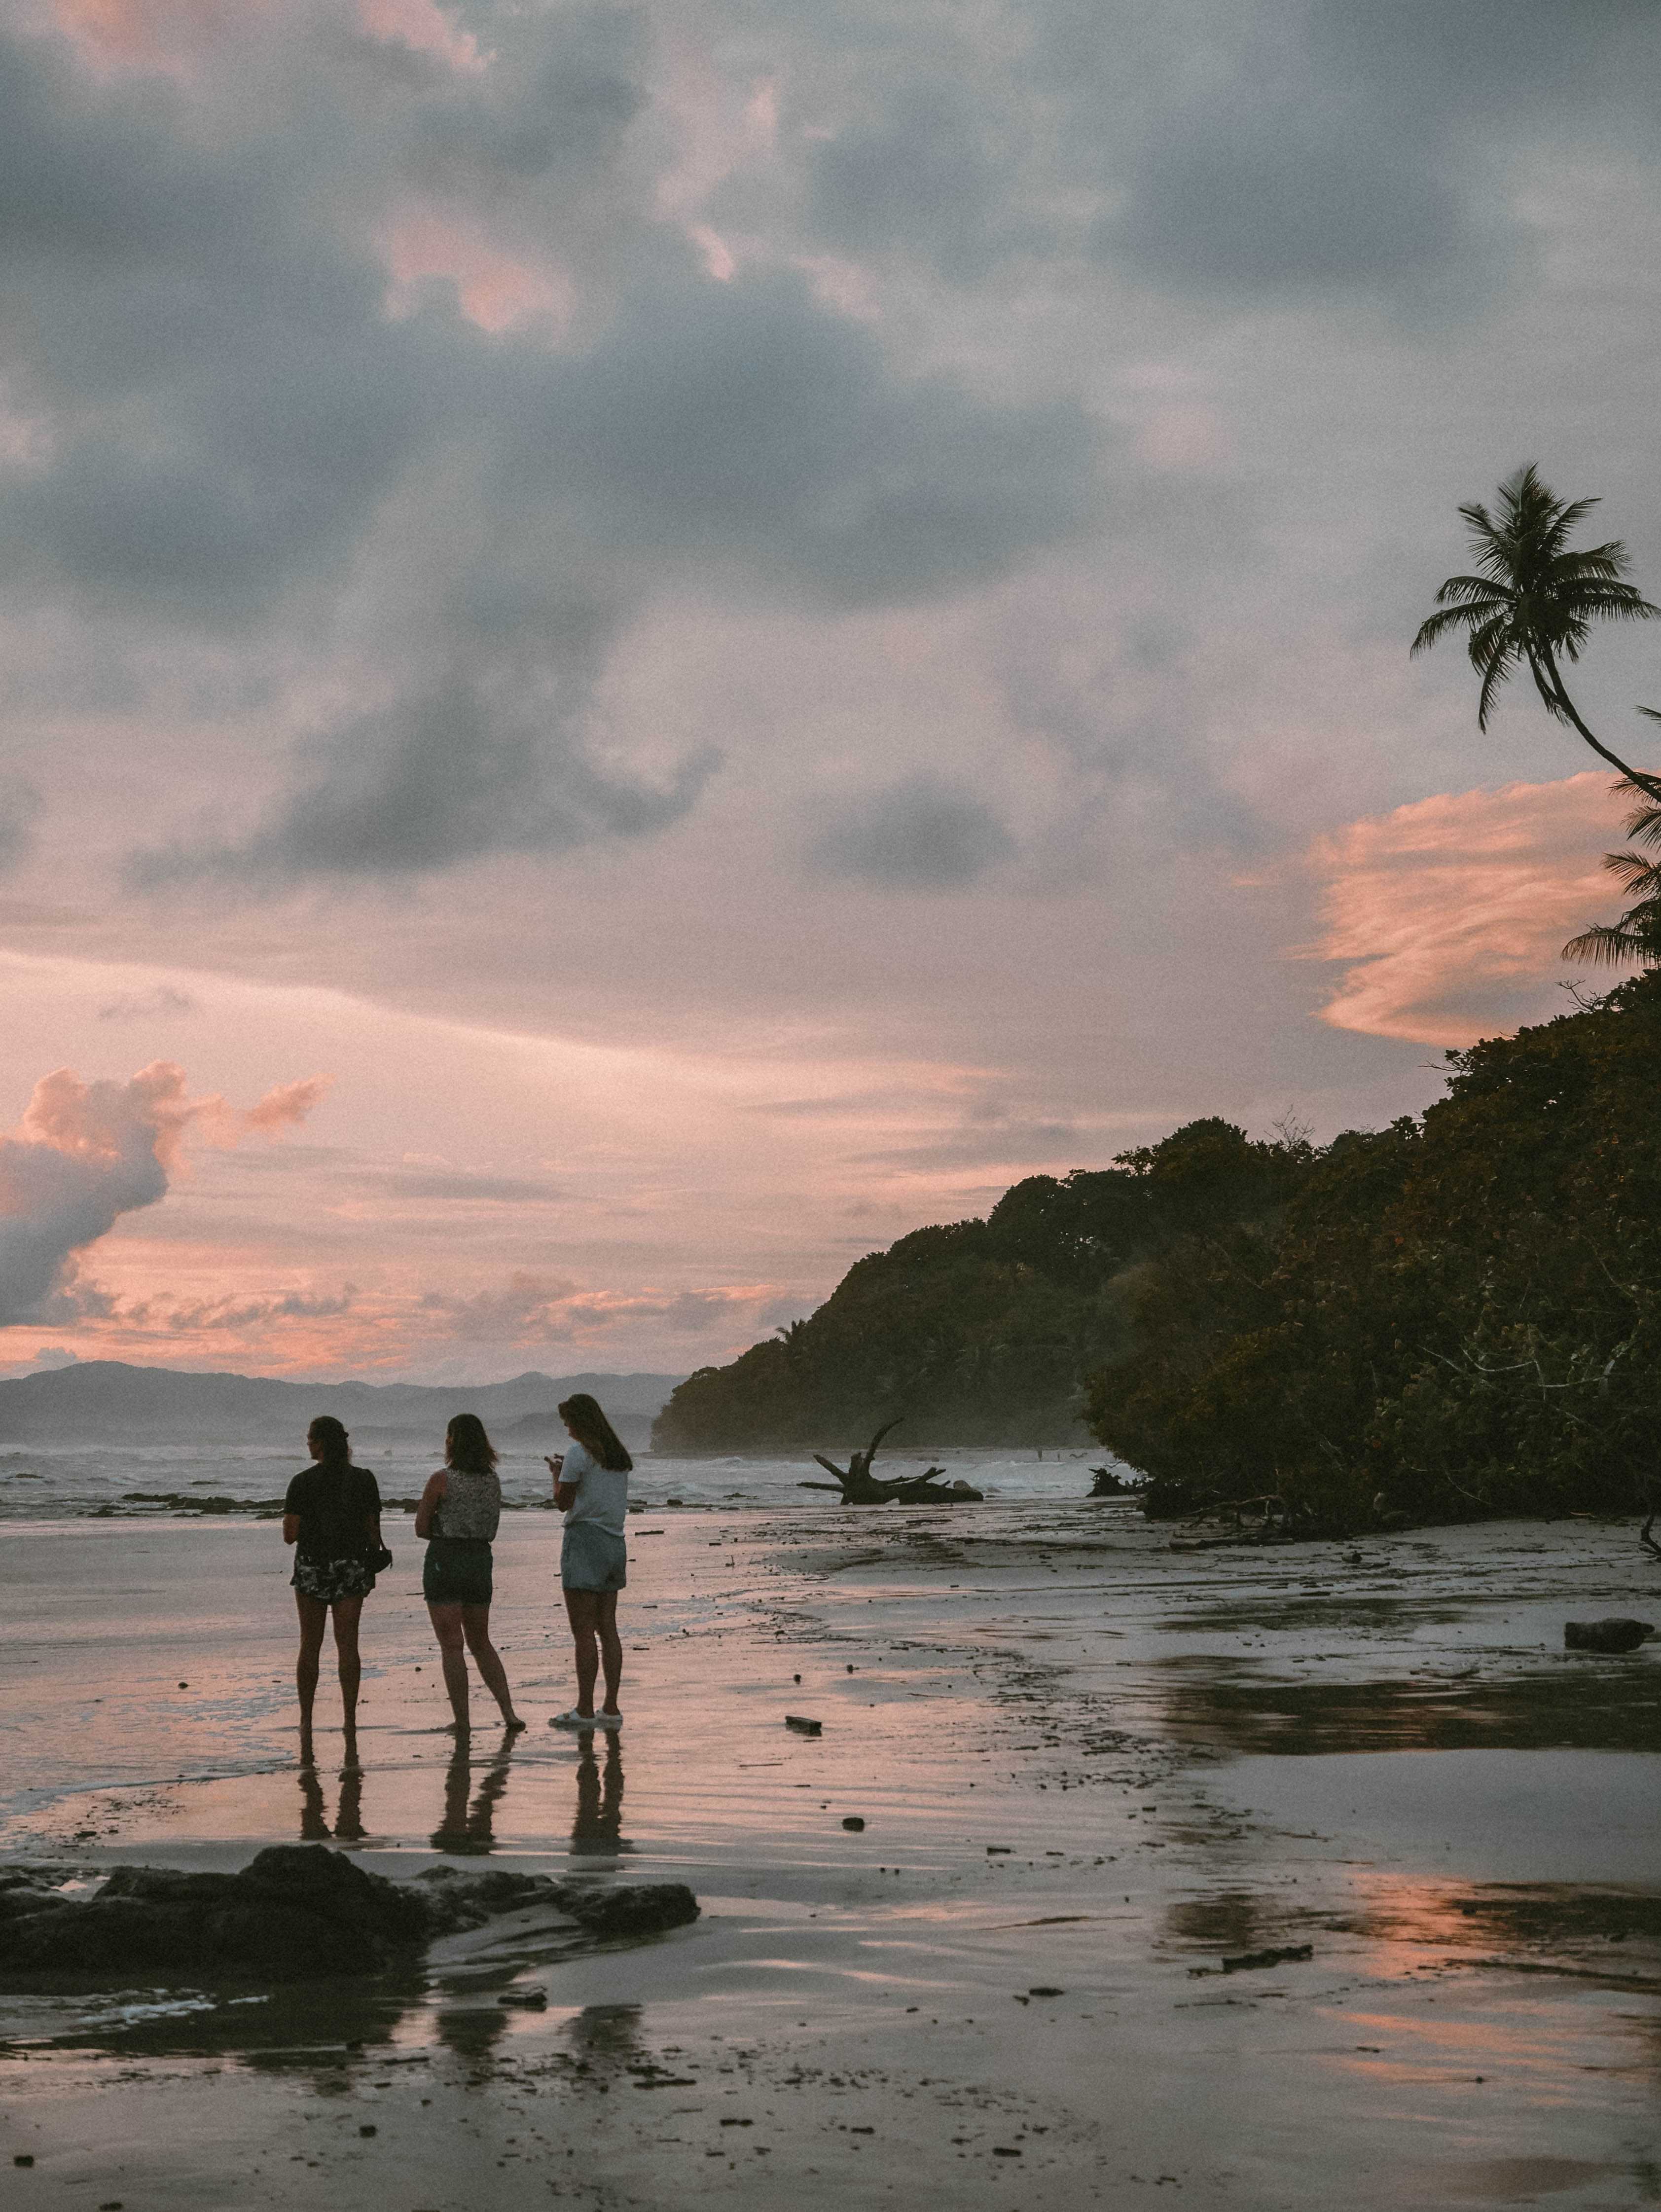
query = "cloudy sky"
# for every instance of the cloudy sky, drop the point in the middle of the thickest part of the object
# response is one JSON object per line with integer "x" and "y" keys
{"x": 645, "y": 644}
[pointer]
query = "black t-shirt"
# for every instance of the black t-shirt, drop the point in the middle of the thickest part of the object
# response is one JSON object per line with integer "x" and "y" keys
{"x": 333, "y": 1502}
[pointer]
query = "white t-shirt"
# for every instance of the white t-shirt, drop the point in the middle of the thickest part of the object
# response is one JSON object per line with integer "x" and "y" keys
{"x": 602, "y": 1494}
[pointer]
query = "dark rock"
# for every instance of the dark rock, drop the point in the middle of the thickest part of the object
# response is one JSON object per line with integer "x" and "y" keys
{"x": 1271, "y": 1958}
{"x": 453, "y": 1901}
{"x": 646, "y": 1908}
{"x": 802, "y": 1725}
{"x": 297, "y": 1912}
{"x": 854, "y": 1824}
{"x": 1615, "y": 1634}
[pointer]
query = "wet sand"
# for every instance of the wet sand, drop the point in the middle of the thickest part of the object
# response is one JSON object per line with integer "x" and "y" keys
{"x": 1091, "y": 1769}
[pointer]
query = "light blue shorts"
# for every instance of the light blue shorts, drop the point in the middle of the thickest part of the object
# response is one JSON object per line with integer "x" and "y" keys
{"x": 592, "y": 1558}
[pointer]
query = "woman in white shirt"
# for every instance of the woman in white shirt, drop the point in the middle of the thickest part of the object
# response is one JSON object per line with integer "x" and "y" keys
{"x": 590, "y": 1488}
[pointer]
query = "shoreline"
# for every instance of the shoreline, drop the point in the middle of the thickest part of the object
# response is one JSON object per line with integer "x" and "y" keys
{"x": 1085, "y": 1764}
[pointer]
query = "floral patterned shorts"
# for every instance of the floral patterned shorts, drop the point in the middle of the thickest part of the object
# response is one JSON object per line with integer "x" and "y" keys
{"x": 326, "y": 1580}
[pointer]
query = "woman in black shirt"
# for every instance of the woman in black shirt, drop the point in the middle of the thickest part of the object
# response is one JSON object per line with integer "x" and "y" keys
{"x": 331, "y": 1515}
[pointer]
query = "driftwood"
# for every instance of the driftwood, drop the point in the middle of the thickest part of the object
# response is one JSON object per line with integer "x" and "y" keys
{"x": 1105, "y": 1483}
{"x": 859, "y": 1486}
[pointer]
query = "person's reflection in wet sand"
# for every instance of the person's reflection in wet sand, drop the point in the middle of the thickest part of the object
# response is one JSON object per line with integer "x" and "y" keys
{"x": 472, "y": 2032}
{"x": 314, "y": 1812}
{"x": 348, "y": 1813}
{"x": 605, "y": 2038}
{"x": 598, "y": 1829}
{"x": 467, "y": 1829}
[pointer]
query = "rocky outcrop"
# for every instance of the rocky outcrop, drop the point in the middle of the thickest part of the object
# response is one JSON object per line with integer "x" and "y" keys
{"x": 297, "y": 1912}
{"x": 1612, "y": 1634}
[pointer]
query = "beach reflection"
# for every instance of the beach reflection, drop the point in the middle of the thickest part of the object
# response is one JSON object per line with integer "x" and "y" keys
{"x": 598, "y": 1828}
{"x": 347, "y": 1826}
{"x": 605, "y": 2038}
{"x": 468, "y": 1827}
{"x": 1241, "y": 1706}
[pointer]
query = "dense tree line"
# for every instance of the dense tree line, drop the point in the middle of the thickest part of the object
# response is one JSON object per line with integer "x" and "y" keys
{"x": 982, "y": 1331}
{"x": 1455, "y": 1316}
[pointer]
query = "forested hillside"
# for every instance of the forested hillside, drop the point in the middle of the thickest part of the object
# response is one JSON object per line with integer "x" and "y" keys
{"x": 1455, "y": 1316}
{"x": 983, "y": 1332}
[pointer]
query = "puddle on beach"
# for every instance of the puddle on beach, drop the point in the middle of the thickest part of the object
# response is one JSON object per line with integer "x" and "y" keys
{"x": 1450, "y": 1704}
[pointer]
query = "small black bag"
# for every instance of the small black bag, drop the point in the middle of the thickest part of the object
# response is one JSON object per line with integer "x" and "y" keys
{"x": 381, "y": 1560}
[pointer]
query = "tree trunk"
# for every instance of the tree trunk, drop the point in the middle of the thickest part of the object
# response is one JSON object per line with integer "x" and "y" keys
{"x": 1549, "y": 684}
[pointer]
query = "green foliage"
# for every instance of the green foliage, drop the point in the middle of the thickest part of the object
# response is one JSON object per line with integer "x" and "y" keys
{"x": 1637, "y": 935}
{"x": 980, "y": 1331}
{"x": 1453, "y": 1317}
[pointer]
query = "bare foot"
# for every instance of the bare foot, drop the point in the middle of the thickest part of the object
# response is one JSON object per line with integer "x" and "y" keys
{"x": 511, "y": 1722}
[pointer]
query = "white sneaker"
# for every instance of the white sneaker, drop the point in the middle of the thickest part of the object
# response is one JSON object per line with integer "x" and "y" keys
{"x": 574, "y": 1719}
{"x": 608, "y": 1720}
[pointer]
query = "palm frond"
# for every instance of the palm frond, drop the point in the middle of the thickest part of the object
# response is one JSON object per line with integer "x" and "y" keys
{"x": 1534, "y": 598}
{"x": 1610, "y": 944}
{"x": 1637, "y": 877}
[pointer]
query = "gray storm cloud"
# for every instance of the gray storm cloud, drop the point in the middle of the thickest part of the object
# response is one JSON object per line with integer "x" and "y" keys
{"x": 921, "y": 834}
{"x": 231, "y": 407}
{"x": 238, "y": 414}
{"x": 85, "y": 1154}
{"x": 20, "y": 809}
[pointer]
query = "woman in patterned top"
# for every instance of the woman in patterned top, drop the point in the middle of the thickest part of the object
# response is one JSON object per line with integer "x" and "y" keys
{"x": 458, "y": 1516}
{"x": 331, "y": 1515}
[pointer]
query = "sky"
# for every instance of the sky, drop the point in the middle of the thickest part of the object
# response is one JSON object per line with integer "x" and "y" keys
{"x": 646, "y": 644}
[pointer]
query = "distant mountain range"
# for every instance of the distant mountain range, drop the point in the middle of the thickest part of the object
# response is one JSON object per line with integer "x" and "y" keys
{"x": 108, "y": 1402}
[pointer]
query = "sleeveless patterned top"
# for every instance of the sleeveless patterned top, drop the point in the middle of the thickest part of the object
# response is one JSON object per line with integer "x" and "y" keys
{"x": 471, "y": 1506}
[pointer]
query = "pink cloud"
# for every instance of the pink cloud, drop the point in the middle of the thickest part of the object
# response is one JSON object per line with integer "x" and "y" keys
{"x": 86, "y": 1153}
{"x": 1452, "y": 912}
{"x": 153, "y": 35}
{"x": 286, "y": 1106}
{"x": 494, "y": 289}
{"x": 421, "y": 23}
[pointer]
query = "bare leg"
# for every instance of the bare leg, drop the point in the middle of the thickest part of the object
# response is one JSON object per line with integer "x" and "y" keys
{"x": 314, "y": 1619}
{"x": 611, "y": 1647}
{"x": 453, "y": 1654}
{"x": 582, "y": 1609}
{"x": 475, "y": 1627}
{"x": 346, "y": 1611}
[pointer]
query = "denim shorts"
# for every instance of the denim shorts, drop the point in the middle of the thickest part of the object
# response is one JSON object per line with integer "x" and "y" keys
{"x": 592, "y": 1558}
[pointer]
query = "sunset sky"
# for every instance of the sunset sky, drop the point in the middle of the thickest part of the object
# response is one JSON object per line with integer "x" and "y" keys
{"x": 646, "y": 644}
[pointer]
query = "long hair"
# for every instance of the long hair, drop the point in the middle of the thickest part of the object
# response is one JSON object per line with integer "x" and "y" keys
{"x": 467, "y": 1447}
{"x": 328, "y": 1442}
{"x": 582, "y": 1416}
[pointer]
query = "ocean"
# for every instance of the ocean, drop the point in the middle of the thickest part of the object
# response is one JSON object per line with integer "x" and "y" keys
{"x": 148, "y": 1481}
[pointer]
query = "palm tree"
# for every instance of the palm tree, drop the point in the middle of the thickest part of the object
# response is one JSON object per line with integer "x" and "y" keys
{"x": 1637, "y": 935}
{"x": 1534, "y": 600}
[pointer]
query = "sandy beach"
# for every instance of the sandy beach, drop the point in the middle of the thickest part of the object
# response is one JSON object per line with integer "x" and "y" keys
{"x": 1091, "y": 1768}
